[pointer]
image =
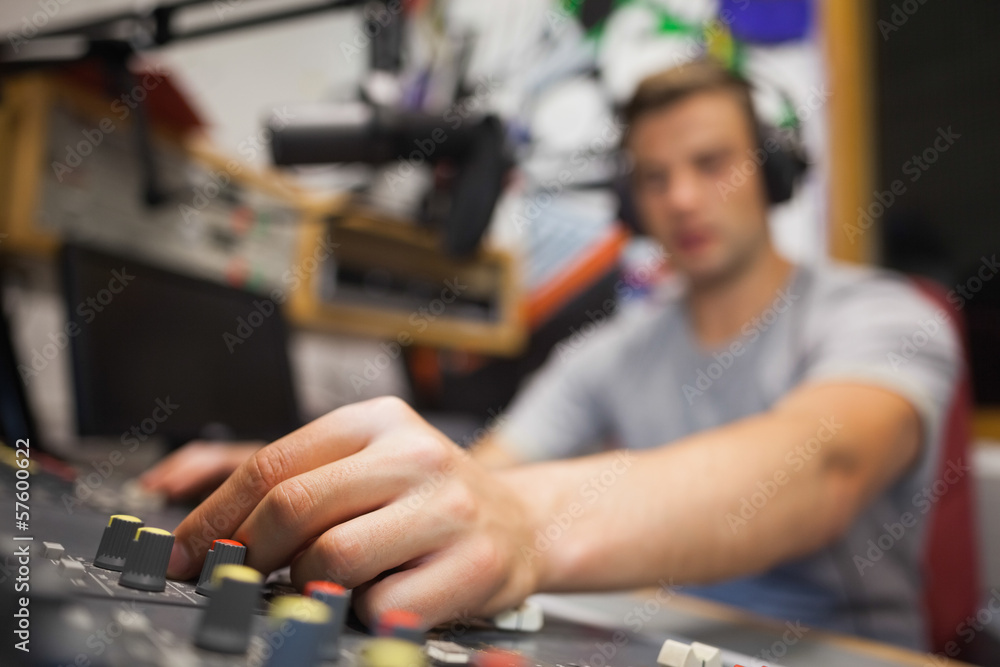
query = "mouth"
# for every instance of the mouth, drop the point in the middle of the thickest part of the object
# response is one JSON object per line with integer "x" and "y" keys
{"x": 691, "y": 242}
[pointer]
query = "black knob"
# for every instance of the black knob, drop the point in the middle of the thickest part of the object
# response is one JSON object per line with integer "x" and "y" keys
{"x": 400, "y": 624}
{"x": 225, "y": 626}
{"x": 302, "y": 620}
{"x": 222, "y": 552}
{"x": 118, "y": 534}
{"x": 391, "y": 652}
{"x": 337, "y": 599}
{"x": 145, "y": 566}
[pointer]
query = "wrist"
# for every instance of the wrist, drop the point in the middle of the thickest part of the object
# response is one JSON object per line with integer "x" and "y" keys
{"x": 536, "y": 495}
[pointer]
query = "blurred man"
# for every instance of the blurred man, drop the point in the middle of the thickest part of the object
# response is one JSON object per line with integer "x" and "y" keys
{"x": 774, "y": 429}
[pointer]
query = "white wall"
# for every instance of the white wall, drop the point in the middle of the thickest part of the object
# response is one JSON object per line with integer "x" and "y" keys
{"x": 234, "y": 80}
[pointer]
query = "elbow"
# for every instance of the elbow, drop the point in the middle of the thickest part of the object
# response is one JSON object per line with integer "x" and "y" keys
{"x": 842, "y": 503}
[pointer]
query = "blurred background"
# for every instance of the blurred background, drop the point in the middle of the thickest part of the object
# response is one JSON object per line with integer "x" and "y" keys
{"x": 256, "y": 211}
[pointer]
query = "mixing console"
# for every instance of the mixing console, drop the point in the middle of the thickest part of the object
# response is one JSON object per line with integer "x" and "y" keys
{"x": 85, "y": 589}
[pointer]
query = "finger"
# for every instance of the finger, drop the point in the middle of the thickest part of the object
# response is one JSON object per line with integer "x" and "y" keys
{"x": 153, "y": 478}
{"x": 194, "y": 478}
{"x": 329, "y": 438}
{"x": 303, "y": 507}
{"x": 357, "y": 551}
{"x": 181, "y": 468}
{"x": 197, "y": 468}
{"x": 460, "y": 582}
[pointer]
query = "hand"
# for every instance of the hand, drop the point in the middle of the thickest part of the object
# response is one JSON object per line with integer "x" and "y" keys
{"x": 372, "y": 497}
{"x": 197, "y": 467}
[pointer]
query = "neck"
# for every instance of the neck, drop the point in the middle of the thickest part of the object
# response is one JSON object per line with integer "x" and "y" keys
{"x": 720, "y": 310}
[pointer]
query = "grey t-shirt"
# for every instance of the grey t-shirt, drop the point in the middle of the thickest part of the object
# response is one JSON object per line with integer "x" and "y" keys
{"x": 642, "y": 381}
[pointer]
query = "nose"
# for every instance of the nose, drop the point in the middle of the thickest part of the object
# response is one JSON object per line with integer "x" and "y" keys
{"x": 684, "y": 193}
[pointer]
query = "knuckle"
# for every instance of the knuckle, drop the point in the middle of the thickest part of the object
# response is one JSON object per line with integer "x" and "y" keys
{"x": 288, "y": 501}
{"x": 383, "y": 409}
{"x": 341, "y": 555}
{"x": 391, "y": 408}
{"x": 486, "y": 557}
{"x": 266, "y": 469}
{"x": 428, "y": 452}
{"x": 460, "y": 503}
{"x": 205, "y": 529}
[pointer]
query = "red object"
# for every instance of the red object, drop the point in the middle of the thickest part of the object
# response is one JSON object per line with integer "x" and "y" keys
{"x": 572, "y": 281}
{"x": 495, "y": 658}
{"x": 397, "y": 618}
{"x": 233, "y": 543}
{"x": 166, "y": 103}
{"x": 327, "y": 587}
{"x": 951, "y": 559}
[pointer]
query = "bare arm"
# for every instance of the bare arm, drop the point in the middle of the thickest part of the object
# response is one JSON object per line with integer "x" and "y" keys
{"x": 372, "y": 497}
{"x": 818, "y": 457}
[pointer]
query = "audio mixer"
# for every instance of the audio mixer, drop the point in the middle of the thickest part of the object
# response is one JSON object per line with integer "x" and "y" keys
{"x": 86, "y": 588}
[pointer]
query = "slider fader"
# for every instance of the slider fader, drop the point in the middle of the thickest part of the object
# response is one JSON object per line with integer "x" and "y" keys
{"x": 98, "y": 596}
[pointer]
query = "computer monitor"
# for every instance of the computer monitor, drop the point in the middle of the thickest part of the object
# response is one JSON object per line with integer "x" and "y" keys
{"x": 158, "y": 353}
{"x": 16, "y": 421}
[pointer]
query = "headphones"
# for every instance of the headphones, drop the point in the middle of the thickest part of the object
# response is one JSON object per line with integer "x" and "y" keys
{"x": 784, "y": 163}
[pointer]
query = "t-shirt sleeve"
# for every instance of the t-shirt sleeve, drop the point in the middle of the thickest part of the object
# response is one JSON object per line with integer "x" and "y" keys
{"x": 886, "y": 333}
{"x": 562, "y": 411}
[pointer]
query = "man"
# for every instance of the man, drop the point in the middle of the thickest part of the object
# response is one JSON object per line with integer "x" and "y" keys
{"x": 773, "y": 425}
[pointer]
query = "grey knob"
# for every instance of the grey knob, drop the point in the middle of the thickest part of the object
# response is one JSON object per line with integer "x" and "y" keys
{"x": 117, "y": 536}
{"x": 225, "y": 626}
{"x": 145, "y": 566}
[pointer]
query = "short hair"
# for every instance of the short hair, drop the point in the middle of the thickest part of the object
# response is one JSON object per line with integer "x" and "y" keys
{"x": 665, "y": 89}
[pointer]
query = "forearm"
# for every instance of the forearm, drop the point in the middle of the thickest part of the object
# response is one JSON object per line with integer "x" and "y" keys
{"x": 626, "y": 519}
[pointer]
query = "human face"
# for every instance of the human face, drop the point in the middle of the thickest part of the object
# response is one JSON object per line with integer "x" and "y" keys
{"x": 685, "y": 157}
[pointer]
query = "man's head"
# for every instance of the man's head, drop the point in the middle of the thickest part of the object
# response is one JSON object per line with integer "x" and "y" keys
{"x": 688, "y": 127}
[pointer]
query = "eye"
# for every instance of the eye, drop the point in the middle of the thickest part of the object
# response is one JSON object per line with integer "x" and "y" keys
{"x": 712, "y": 163}
{"x": 650, "y": 180}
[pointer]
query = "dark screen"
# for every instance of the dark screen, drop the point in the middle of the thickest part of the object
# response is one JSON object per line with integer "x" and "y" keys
{"x": 156, "y": 350}
{"x": 15, "y": 417}
{"x": 937, "y": 66}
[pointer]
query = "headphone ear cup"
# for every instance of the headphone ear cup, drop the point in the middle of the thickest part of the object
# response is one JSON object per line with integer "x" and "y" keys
{"x": 783, "y": 166}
